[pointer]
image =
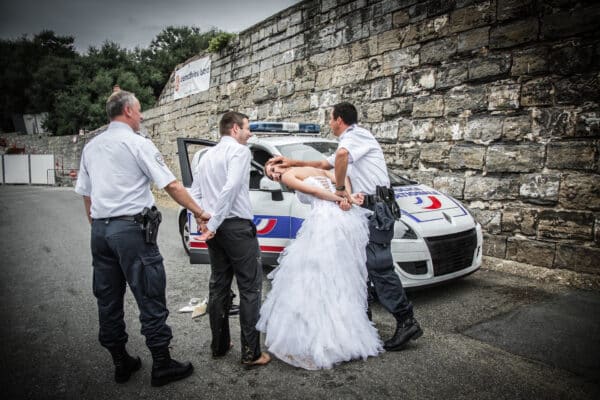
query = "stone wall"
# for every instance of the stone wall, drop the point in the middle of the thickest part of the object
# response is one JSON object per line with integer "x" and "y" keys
{"x": 66, "y": 150}
{"x": 494, "y": 101}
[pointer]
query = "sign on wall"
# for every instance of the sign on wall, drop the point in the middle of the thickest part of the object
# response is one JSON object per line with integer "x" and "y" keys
{"x": 192, "y": 78}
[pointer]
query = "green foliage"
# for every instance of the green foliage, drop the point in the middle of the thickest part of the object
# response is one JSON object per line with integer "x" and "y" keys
{"x": 45, "y": 74}
{"x": 219, "y": 41}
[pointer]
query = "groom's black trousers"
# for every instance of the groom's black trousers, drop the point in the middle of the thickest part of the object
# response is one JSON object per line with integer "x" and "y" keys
{"x": 234, "y": 251}
{"x": 380, "y": 267}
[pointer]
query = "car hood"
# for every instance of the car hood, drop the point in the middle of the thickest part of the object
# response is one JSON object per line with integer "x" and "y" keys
{"x": 430, "y": 212}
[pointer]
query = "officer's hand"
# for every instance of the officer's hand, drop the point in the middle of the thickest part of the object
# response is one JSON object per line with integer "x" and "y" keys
{"x": 207, "y": 235}
{"x": 281, "y": 161}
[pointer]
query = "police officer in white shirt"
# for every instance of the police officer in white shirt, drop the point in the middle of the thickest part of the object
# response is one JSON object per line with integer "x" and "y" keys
{"x": 114, "y": 179}
{"x": 359, "y": 155}
{"x": 221, "y": 186}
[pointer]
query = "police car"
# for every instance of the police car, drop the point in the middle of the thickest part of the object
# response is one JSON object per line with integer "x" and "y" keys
{"x": 436, "y": 240}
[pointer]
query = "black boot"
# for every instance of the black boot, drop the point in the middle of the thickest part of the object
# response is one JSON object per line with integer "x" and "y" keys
{"x": 406, "y": 329}
{"x": 125, "y": 365}
{"x": 166, "y": 370}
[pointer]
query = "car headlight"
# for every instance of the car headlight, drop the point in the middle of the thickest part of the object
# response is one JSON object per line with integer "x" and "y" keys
{"x": 403, "y": 231}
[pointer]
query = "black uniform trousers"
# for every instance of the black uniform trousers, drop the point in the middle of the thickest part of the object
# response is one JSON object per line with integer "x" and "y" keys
{"x": 388, "y": 286}
{"x": 234, "y": 251}
{"x": 121, "y": 256}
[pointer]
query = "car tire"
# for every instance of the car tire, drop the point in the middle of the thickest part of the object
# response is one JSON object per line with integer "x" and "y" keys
{"x": 184, "y": 231}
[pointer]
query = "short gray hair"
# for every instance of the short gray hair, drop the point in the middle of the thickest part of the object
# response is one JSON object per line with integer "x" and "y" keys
{"x": 117, "y": 101}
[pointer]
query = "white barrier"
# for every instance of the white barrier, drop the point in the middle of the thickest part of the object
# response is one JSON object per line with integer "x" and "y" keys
{"x": 35, "y": 169}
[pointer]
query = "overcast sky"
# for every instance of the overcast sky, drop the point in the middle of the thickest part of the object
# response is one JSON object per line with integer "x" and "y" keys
{"x": 129, "y": 23}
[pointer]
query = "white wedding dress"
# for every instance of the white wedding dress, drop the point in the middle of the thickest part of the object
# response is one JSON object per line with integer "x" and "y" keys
{"x": 315, "y": 314}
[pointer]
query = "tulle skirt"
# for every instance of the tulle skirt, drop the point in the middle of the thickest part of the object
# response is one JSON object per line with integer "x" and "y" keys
{"x": 315, "y": 314}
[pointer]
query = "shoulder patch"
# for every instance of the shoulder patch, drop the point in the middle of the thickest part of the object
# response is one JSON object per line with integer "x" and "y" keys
{"x": 159, "y": 159}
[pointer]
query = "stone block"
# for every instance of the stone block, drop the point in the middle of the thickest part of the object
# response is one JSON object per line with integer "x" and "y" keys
{"x": 414, "y": 82}
{"x": 364, "y": 48}
{"x": 395, "y": 61}
{"x": 516, "y": 129}
{"x": 488, "y": 188}
{"x": 514, "y": 33}
{"x": 324, "y": 78}
{"x": 286, "y": 88}
{"x": 578, "y": 89}
{"x": 541, "y": 188}
{"x": 503, "y": 95}
{"x": 489, "y": 219}
{"x": 381, "y": 89}
{"x": 351, "y": 73}
{"x": 571, "y": 225}
{"x": 466, "y": 157}
{"x": 465, "y": 97}
{"x": 511, "y": 9}
{"x": 386, "y": 132}
{"x": 399, "y": 18}
{"x": 453, "y": 74}
{"x": 530, "y": 251}
{"x": 428, "y": 106}
{"x": 380, "y": 24}
{"x": 426, "y": 30}
{"x": 484, "y": 129}
{"x": 262, "y": 94}
{"x": 447, "y": 129}
{"x": 434, "y": 153}
{"x": 514, "y": 157}
{"x": 453, "y": 185}
{"x": 572, "y": 155}
{"x": 553, "y": 122}
{"x": 390, "y": 40}
{"x": 570, "y": 58}
{"x": 423, "y": 130}
{"x": 404, "y": 158}
{"x": 491, "y": 66}
{"x": 494, "y": 245}
{"x": 474, "y": 16}
{"x": 570, "y": 23}
{"x": 372, "y": 113}
{"x": 405, "y": 130}
{"x": 438, "y": 50}
{"x": 530, "y": 61}
{"x": 580, "y": 191}
{"x": 578, "y": 258}
{"x": 588, "y": 123}
{"x": 397, "y": 105}
{"x": 519, "y": 220}
{"x": 473, "y": 40}
{"x": 537, "y": 92}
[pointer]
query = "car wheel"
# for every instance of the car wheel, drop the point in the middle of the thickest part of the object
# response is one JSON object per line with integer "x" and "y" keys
{"x": 184, "y": 231}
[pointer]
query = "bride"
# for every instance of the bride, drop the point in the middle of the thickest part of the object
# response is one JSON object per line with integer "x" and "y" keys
{"x": 315, "y": 314}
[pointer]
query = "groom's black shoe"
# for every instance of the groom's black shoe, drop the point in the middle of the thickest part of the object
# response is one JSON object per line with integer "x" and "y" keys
{"x": 166, "y": 370}
{"x": 407, "y": 329}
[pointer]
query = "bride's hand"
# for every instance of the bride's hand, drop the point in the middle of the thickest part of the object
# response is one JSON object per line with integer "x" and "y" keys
{"x": 345, "y": 204}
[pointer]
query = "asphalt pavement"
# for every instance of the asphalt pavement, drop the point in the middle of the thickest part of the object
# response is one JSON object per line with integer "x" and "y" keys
{"x": 488, "y": 336}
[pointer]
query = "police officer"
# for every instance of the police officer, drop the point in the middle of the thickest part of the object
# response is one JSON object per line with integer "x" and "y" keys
{"x": 360, "y": 156}
{"x": 114, "y": 180}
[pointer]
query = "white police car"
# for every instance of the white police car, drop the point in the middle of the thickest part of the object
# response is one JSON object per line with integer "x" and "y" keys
{"x": 436, "y": 240}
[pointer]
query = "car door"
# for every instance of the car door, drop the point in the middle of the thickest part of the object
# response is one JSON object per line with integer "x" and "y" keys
{"x": 272, "y": 209}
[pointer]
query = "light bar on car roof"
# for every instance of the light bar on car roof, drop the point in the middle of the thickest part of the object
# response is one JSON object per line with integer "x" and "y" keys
{"x": 291, "y": 127}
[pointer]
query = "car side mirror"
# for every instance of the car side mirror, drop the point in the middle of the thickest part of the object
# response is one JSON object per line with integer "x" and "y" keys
{"x": 267, "y": 185}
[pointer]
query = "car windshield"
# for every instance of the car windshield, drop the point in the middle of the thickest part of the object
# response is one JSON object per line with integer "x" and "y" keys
{"x": 308, "y": 151}
{"x": 316, "y": 151}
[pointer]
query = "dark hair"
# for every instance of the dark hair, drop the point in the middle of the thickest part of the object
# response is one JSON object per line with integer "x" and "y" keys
{"x": 117, "y": 101}
{"x": 230, "y": 118}
{"x": 347, "y": 112}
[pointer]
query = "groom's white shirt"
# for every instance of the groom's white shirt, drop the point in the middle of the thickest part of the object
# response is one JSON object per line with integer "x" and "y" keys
{"x": 366, "y": 164}
{"x": 221, "y": 182}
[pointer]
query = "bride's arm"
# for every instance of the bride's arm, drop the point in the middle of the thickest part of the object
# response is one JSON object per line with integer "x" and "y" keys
{"x": 291, "y": 181}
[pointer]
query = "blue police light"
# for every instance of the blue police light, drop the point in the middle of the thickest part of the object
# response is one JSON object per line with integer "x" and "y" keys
{"x": 289, "y": 127}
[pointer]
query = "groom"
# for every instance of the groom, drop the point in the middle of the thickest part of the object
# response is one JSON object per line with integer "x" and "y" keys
{"x": 358, "y": 147}
{"x": 220, "y": 184}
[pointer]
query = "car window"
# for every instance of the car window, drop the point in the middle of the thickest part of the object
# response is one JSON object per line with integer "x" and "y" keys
{"x": 308, "y": 151}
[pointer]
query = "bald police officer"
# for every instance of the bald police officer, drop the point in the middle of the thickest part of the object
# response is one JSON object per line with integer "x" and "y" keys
{"x": 114, "y": 180}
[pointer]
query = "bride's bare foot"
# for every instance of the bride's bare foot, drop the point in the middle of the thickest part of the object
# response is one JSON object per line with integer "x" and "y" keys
{"x": 264, "y": 359}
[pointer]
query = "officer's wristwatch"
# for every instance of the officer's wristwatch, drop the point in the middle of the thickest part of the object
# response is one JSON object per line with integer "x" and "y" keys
{"x": 340, "y": 188}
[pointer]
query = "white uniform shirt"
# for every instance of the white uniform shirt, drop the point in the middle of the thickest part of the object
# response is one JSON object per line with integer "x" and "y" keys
{"x": 116, "y": 169}
{"x": 221, "y": 182}
{"x": 366, "y": 164}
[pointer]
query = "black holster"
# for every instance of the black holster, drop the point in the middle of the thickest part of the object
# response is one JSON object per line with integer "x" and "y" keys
{"x": 151, "y": 219}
